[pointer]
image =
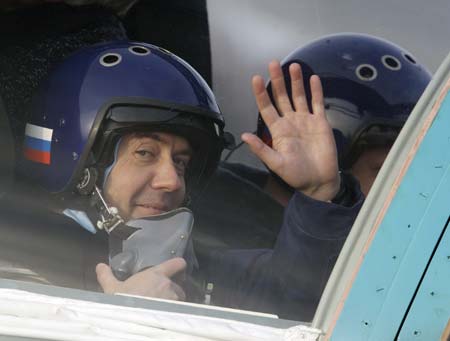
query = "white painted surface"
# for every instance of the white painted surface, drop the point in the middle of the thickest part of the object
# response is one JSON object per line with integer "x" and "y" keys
{"x": 27, "y": 314}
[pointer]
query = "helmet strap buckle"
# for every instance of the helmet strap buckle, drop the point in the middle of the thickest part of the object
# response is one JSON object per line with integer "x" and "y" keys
{"x": 110, "y": 219}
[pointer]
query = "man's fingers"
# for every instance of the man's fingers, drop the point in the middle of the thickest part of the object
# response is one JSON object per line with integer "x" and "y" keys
{"x": 279, "y": 88}
{"x": 152, "y": 282}
{"x": 298, "y": 88}
{"x": 106, "y": 278}
{"x": 317, "y": 95}
{"x": 178, "y": 291}
{"x": 267, "y": 155}
{"x": 170, "y": 267}
{"x": 268, "y": 113}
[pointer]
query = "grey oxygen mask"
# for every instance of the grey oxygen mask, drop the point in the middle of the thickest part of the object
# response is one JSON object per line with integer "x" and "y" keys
{"x": 156, "y": 239}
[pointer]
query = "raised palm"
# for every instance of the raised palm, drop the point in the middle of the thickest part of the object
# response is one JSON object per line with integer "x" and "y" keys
{"x": 303, "y": 149}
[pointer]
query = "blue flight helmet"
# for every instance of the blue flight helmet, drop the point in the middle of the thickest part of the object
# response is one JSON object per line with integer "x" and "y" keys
{"x": 107, "y": 90}
{"x": 370, "y": 87}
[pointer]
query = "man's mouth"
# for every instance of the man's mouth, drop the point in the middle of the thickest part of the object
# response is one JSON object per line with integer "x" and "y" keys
{"x": 150, "y": 209}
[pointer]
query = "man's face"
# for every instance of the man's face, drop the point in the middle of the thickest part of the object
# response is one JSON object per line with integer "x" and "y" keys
{"x": 367, "y": 166}
{"x": 148, "y": 176}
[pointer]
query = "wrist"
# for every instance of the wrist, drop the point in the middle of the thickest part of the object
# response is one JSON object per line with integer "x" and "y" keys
{"x": 348, "y": 194}
{"x": 341, "y": 194}
{"x": 324, "y": 192}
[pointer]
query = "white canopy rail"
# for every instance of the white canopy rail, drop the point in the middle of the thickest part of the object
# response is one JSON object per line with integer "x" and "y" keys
{"x": 32, "y": 315}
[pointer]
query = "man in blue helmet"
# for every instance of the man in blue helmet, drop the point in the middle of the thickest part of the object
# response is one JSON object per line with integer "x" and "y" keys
{"x": 115, "y": 89}
{"x": 136, "y": 131}
{"x": 370, "y": 87}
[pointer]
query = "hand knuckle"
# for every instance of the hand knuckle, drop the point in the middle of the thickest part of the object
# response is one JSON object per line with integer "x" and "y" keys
{"x": 166, "y": 283}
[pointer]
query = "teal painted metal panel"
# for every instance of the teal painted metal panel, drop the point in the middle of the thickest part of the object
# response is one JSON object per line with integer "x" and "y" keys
{"x": 406, "y": 238}
{"x": 430, "y": 310}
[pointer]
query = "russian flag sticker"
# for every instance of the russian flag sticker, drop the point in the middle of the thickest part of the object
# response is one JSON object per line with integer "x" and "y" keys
{"x": 37, "y": 143}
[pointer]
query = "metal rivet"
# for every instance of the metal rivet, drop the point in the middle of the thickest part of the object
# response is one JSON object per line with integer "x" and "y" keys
{"x": 62, "y": 122}
{"x": 409, "y": 58}
{"x": 110, "y": 59}
{"x": 74, "y": 156}
{"x": 182, "y": 236}
{"x": 366, "y": 72}
{"x": 139, "y": 50}
{"x": 165, "y": 51}
{"x": 172, "y": 252}
{"x": 391, "y": 62}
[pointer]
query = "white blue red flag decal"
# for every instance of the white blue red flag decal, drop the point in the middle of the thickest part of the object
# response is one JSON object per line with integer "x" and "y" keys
{"x": 37, "y": 143}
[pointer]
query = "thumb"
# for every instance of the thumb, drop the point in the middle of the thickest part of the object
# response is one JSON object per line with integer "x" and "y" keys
{"x": 171, "y": 267}
{"x": 106, "y": 278}
{"x": 266, "y": 154}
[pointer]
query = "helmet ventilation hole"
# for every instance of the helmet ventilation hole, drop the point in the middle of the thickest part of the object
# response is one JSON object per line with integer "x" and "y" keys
{"x": 366, "y": 72}
{"x": 409, "y": 58}
{"x": 391, "y": 62}
{"x": 163, "y": 50}
{"x": 139, "y": 50}
{"x": 110, "y": 59}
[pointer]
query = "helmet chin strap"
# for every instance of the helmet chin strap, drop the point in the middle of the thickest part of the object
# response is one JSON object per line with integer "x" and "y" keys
{"x": 106, "y": 217}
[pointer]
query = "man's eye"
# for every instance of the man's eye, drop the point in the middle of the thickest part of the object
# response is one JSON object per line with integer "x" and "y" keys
{"x": 181, "y": 164}
{"x": 144, "y": 154}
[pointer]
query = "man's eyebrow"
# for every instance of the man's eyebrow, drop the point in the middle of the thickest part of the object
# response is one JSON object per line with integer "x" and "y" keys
{"x": 187, "y": 151}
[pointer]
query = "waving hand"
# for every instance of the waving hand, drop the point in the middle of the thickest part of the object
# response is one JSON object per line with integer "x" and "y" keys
{"x": 303, "y": 149}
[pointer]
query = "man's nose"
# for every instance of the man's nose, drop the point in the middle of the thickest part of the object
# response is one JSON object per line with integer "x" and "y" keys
{"x": 166, "y": 176}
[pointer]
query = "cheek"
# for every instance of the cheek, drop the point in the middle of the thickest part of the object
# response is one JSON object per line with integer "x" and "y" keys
{"x": 112, "y": 190}
{"x": 121, "y": 185}
{"x": 366, "y": 176}
{"x": 180, "y": 194}
{"x": 375, "y": 172}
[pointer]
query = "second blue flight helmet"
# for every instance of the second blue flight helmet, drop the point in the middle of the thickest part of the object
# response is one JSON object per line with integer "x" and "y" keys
{"x": 104, "y": 91}
{"x": 370, "y": 87}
